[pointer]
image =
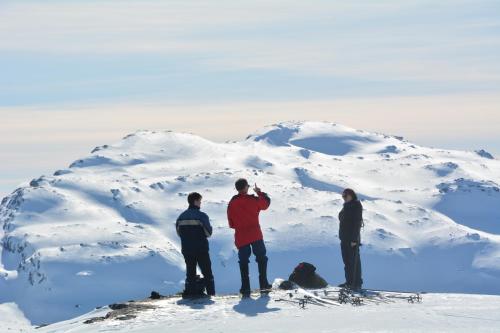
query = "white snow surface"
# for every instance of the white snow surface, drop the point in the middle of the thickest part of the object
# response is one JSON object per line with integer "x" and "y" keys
{"x": 436, "y": 313}
{"x": 12, "y": 319}
{"x": 102, "y": 230}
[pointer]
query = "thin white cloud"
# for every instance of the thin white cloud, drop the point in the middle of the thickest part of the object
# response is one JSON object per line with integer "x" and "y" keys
{"x": 342, "y": 38}
{"x": 127, "y": 26}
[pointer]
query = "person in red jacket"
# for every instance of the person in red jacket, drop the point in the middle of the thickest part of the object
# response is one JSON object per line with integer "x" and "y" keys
{"x": 243, "y": 216}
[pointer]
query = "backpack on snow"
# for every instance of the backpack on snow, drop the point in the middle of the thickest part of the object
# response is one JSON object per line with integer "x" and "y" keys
{"x": 305, "y": 276}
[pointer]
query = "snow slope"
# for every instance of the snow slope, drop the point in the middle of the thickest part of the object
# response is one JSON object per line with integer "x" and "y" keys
{"x": 12, "y": 319}
{"x": 437, "y": 313}
{"x": 102, "y": 230}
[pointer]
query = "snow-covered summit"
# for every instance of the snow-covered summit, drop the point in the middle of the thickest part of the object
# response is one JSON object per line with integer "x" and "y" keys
{"x": 327, "y": 138}
{"x": 102, "y": 230}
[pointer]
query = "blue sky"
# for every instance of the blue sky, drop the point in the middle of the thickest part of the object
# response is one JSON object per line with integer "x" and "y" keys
{"x": 74, "y": 74}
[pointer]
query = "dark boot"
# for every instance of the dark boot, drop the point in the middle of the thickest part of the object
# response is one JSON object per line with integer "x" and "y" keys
{"x": 189, "y": 290}
{"x": 357, "y": 286}
{"x": 245, "y": 280}
{"x": 263, "y": 283}
{"x": 195, "y": 289}
{"x": 210, "y": 287}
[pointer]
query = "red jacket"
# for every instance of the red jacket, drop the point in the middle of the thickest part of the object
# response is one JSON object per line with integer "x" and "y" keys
{"x": 243, "y": 216}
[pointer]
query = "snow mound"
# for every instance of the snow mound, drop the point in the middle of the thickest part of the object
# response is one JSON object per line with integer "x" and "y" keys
{"x": 485, "y": 154}
{"x": 462, "y": 198}
{"x": 327, "y": 138}
{"x": 443, "y": 169}
{"x": 12, "y": 319}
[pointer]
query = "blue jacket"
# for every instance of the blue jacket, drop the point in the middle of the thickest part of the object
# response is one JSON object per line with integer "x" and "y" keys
{"x": 193, "y": 227}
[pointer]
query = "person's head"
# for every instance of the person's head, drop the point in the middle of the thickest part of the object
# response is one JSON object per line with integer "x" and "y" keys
{"x": 349, "y": 195}
{"x": 194, "y": 199}
{"x": 242, "y": 186}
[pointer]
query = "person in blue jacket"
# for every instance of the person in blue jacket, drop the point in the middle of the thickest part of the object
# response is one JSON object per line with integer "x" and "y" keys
{"x": 194, "y": 229}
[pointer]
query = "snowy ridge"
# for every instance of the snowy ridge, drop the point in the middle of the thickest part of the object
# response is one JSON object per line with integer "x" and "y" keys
{"x": 101, "y": 231}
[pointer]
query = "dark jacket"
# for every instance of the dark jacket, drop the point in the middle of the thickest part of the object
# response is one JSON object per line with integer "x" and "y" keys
{"x": 351, "y": 219}
{"x": 243, "y": 216}
{"x": 193, "y": 227}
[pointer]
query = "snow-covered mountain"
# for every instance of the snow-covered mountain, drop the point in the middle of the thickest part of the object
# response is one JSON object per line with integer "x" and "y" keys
{"x": 102, "y": 230}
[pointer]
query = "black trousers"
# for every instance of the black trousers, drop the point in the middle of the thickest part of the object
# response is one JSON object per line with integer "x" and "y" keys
{"x": 259, "y": 250}
{"x": 201, "y": 259}
{"x": 352, "y": 264}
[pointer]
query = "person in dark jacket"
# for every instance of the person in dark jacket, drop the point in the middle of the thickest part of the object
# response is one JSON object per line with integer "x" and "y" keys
{"x": 351, "y": 220}
{"x": 243, "y": 216}
{"x": 193, "y": 227}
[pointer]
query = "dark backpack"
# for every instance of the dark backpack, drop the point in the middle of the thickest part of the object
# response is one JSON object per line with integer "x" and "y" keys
{"x": 305, "y": 276}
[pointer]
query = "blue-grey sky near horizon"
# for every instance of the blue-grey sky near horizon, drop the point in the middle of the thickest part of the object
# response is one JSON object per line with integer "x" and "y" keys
{"x": 80, "y": 73}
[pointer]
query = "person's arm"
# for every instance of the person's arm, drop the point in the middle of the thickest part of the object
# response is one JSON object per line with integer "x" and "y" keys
{"x": 229, "y": 218}
{"x": 356, "y": 218}
{"x": 205, "y": 221}
{"x": 177, "y": 228}
{"x": 263, "y": 200}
